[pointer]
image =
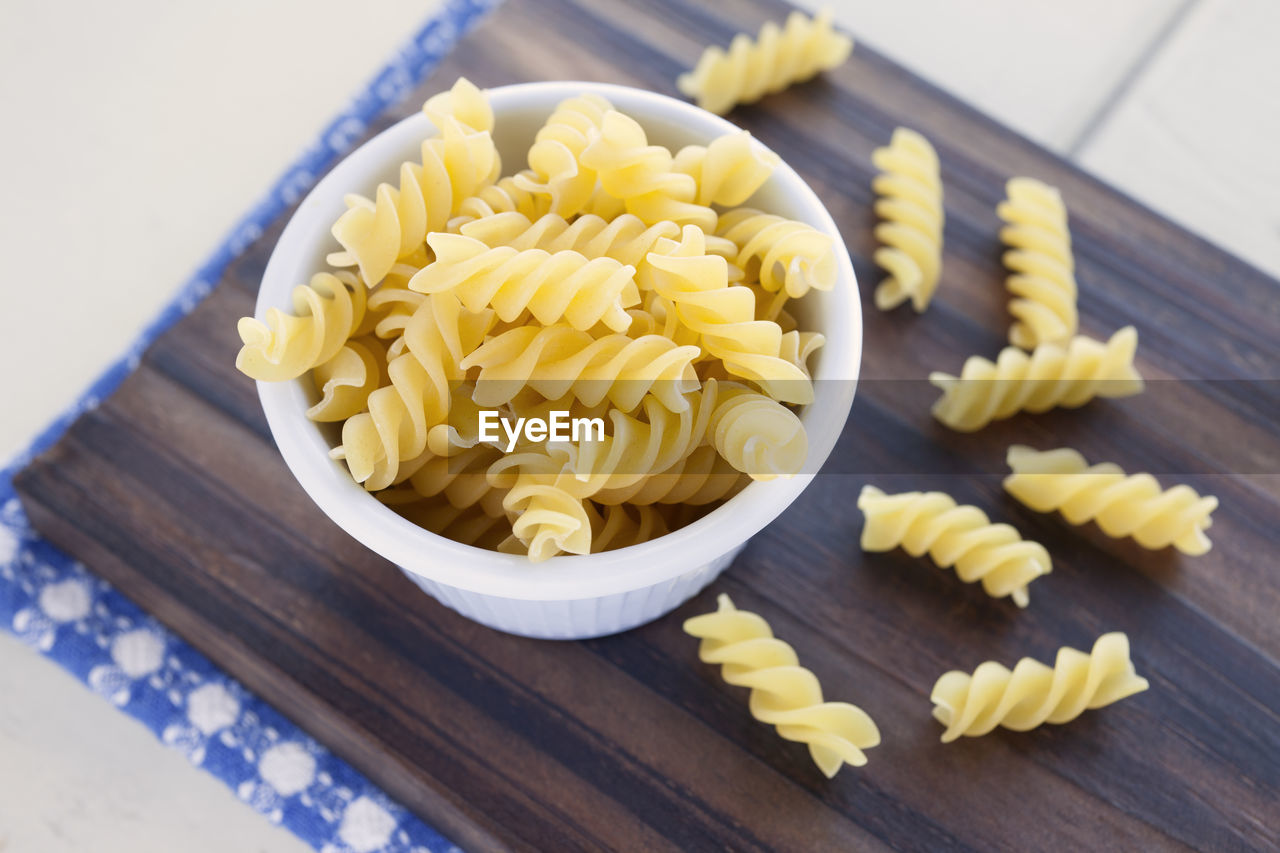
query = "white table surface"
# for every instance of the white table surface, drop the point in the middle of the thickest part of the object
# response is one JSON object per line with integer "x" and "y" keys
{"x": 138, "y": 131}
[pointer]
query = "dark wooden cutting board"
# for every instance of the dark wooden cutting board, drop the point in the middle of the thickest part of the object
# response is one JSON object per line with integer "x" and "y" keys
{"x": 173, "y": 491}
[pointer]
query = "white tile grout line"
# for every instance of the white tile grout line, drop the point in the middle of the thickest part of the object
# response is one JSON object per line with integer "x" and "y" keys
{"x": 1129, "y": 78}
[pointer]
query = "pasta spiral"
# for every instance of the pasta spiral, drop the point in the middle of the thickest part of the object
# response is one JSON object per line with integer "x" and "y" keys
{"x": 555, "y": 167}
{"x": 729, "y": 170}
{"x": 1122, "y": 505}
{"x": 643, "y": 175}
{"x": 346, "y": 381}
{"x": 465, "y": 103}
{"x": 469, "y": 525}
{"x": 910, "y": 203}
{"x": 697, "y": 286}
{"x": 618, "y": 526}
{"x": 375, "y": 233}
{"x": 1043, "y": 280}
{"x": 954, "y": 536}
{"x": 1033, "y": 693}
{"x": 777, "y": 58}
{"x": 757, "y": 435}
{"x": 702, "y": 477}
{"x": 626, "y": 238}
{"x": 548, "y": 487}
{"x": 783, "y": 693}
{"x": 1049, "y": 376}
{"x": 784, "y": 254}
{"x": 285, "y": 346}
{"x": 502, "y": 197}
{"x": 394, "y": 429}
{"x": 559, "y": 360}
{"x": 564, "y": 285}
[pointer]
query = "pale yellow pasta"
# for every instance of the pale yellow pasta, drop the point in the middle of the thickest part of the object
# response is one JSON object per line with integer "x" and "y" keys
{"x": 777, "y": 58}
{"x": 954, "y": 536}
{"x": 798, "y": 347}
{"x": 909, "y": 187}
{"x": 464, "y": 102}
{"x": 625, "y": 238}
{"x": 697, "y": 286}
{"x": 559, "y": 360}
{"x": 554, "y": 159}
{"x": 784, "y": 694}
{"x": 553, "y": 287}
{"x": 548, "y": 488}
{"x": 548, "y": 519}
{"x": 756, "y": 434}
{"x": 346, "y": 380}
{"x": 590, "y": 285}
{"x": 702, "y": 477}
{"x": 643, "y": 175}
{"x": 468, "y": 525}
{"x": 503, "y": 196}
{"x": 1042, "y": 268}
{"x": 462, "y": 479}
{"x": 375, "y": 233}
{"x": 972, "y": 704}
{"x": 785, "y": 255}
{"x": 1049, "y": 376}
{"x": 729, "y": 170}
{"x": 393, "y": 431}
{"x": 619, "y": 526}
{"x": 1122, "y": 504}
{"x": 285, "y": 346}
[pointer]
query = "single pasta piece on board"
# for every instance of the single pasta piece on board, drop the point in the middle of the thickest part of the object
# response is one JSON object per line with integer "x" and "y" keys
{"x": 1122, "y": 504}
{"x": 1042, "y": 276}
{"x": 783, "y": 693}
{"x": 954, "y": 536}
{"x": 910, "y": 203}
{"x": 1050, "y": 376}
{"x": 775, "y": 59}
{"x": 1034, "y": 694}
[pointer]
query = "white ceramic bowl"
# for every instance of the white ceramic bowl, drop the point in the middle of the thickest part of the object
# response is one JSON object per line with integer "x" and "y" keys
{"x": 573, "y": 596}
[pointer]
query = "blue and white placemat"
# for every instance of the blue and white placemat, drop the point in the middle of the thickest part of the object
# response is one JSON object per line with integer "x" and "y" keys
{"x": 57, "y": 606}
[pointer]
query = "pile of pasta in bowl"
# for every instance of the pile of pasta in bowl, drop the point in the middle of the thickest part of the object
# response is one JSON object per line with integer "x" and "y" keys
{"x": 612, "y": 281}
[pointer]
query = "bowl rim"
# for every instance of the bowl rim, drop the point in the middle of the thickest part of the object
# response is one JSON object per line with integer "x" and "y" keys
{"x": 568, "y": 577}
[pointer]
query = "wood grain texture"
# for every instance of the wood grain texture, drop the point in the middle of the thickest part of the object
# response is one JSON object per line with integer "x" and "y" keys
{"x": 173, "y": 491}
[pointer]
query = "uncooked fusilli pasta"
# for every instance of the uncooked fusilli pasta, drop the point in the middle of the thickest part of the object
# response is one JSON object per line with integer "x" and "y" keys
{"x": 1043, "y": 281}
{"x": 644, "y": 175}
{"x": 729, "y": 170}
{"x": 697, "y": 285}
{"x": 785, "y": 255}
{"x": 784, "y": 694}
{"x": 326, "y": 312}
{"x": 555, "y": 166}
{"x": 560, "y": 360}
{"x": 954, "y": 536}
{"x": 589, "y": 284}
{"x": 774, "y": 60}
{"x": 910, "y": 203}
{"x": 1122, "y": 504}
{"x": 1033, "y": 693}
{"x": 375, "y": 233}
{"x": 553, "y": 287}
{"x": 1050, "y": 376}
